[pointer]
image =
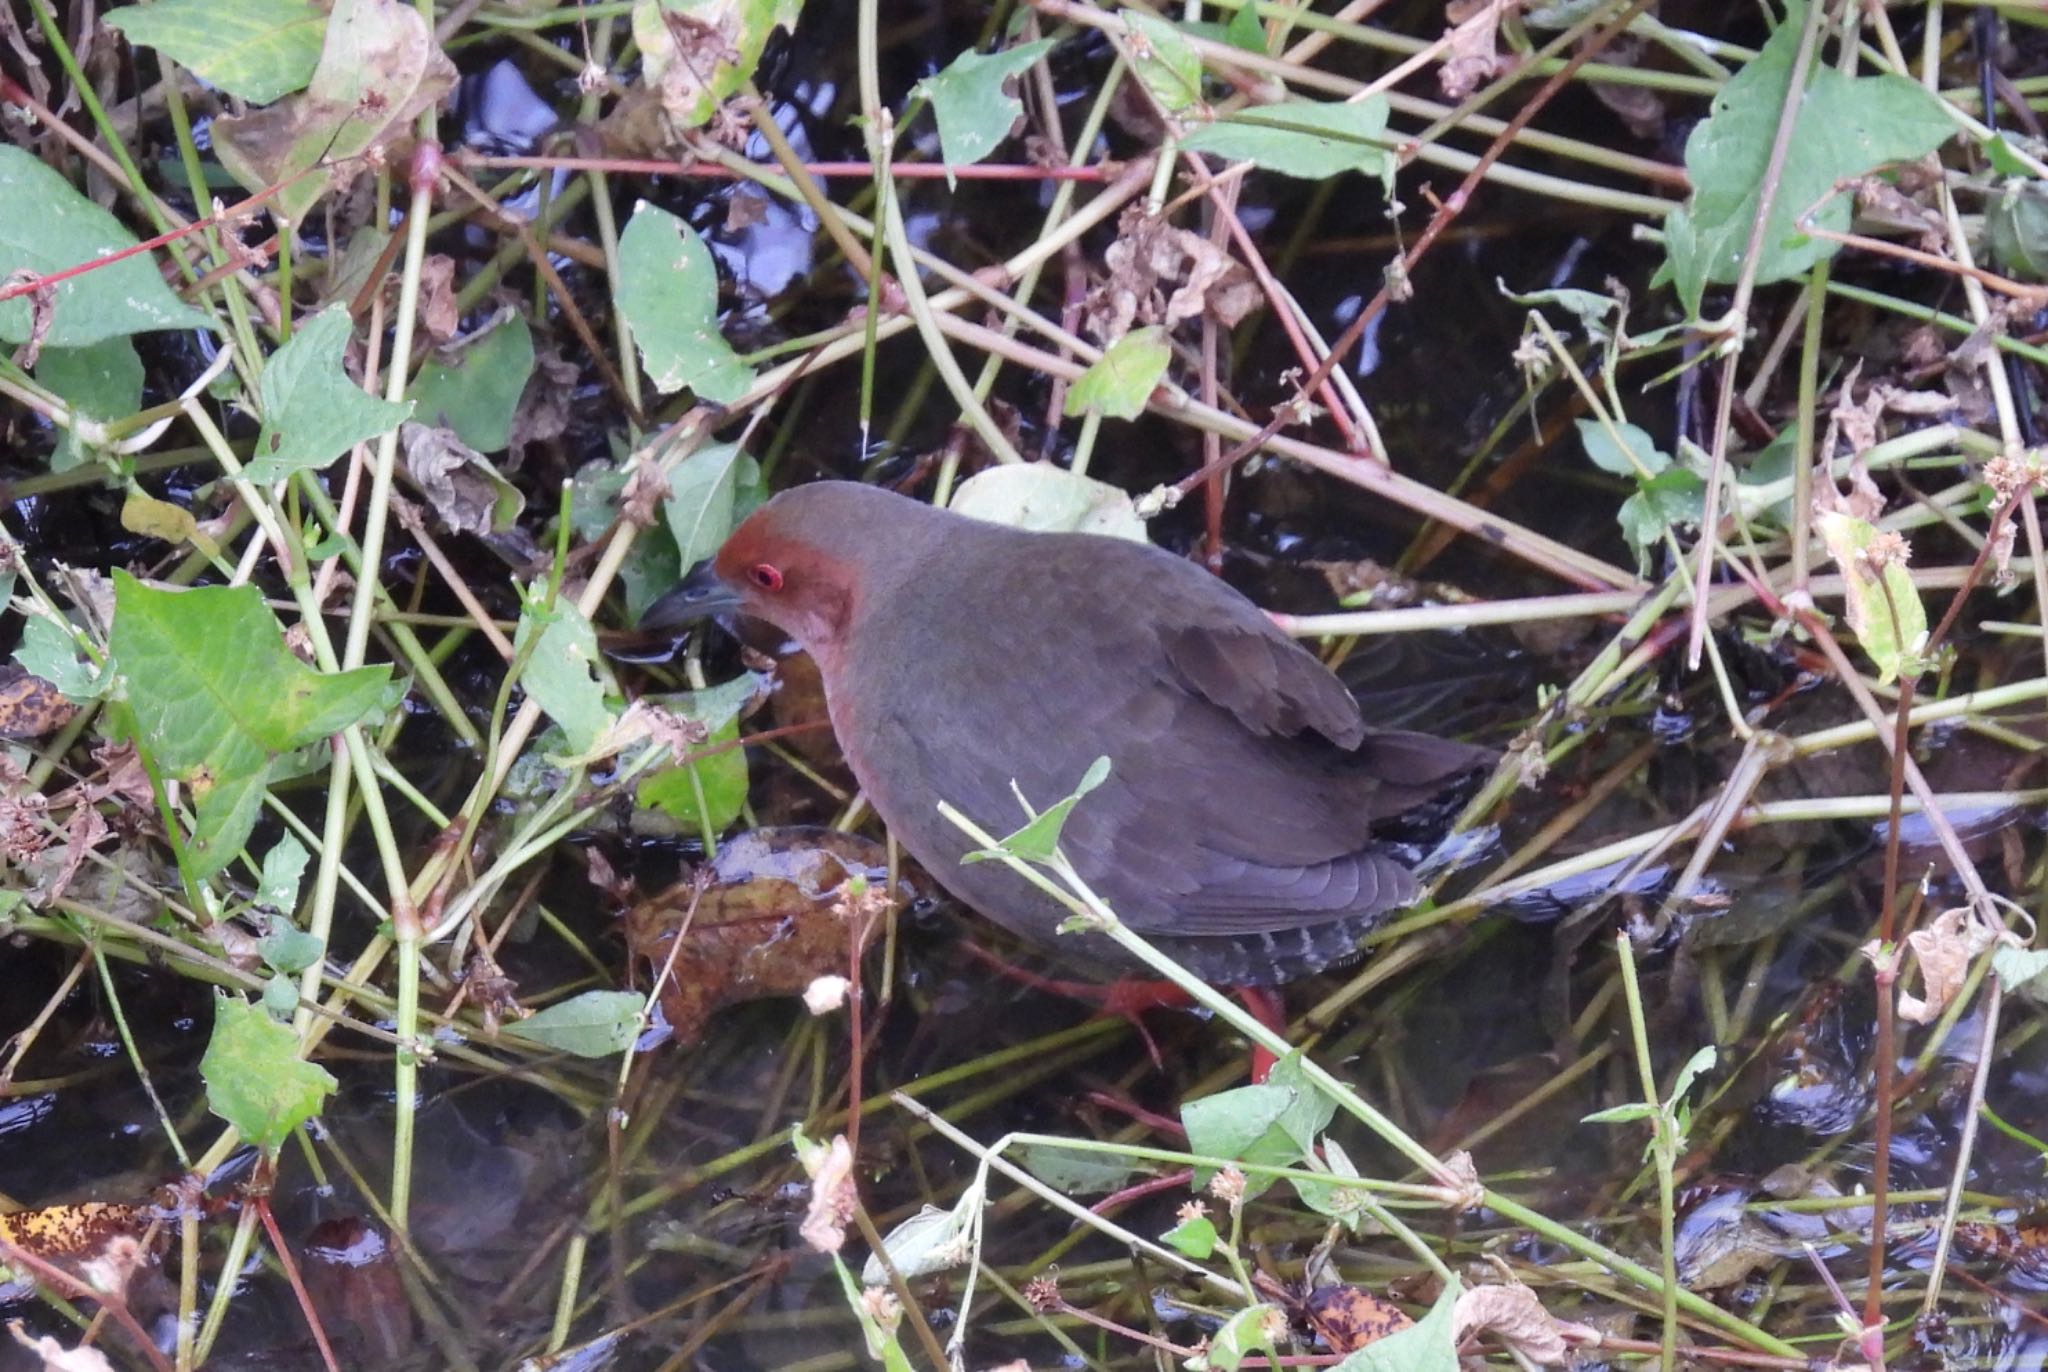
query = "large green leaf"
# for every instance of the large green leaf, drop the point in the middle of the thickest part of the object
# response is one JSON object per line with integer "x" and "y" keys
{"x": 709, "y": 492}
{"x": 973, "y": 103}
{"x": 218, "y": 698}
{"x": 1844, "y": 127}
{"x": 47, "y": 227}
{"x": 668, "y": 291}
{"x": 596, "y": 1024}
{"x": 312, "y": 411}
{"x": 255, "y": 1078}
{"x": 258, "y": 50}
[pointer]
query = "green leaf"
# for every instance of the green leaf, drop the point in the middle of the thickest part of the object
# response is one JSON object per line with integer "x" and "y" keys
{"x": 1636, "y": 454}
{"x": 1242, "y": 1335}
{"x": 475, "y": 390}
{"x": 1122, "y": 379}
{"x": 561, "y": 673}
{"x": 47, "y": 227}
{"x": 1274, "y": 1124}
{"x": 218, "y": 699}
{"x": 723, "y": 44}
{"x": 101, "y": 381}
{"x": 287, "y": 948}
{"x": 2016, "y": 223}
{"x": 49, "y": 651}
{"x": 1165, "y": 61}
{"x": 668, "y": 291}
{"x": 595, "y": 1024}
{"x": 257, "y": 50}
{"x": 931, "y": 1241}
{"x": 1192, "y": 1238}
{"x": 379, "y": 69}
{"x": 709, "y": 492}
{"x": 312, "y": 411}
{"x": 1668, "y": 501}
{"x": 1702, "y": 1061}
{"x": 1048, "y": 499}
{"x": 1347, "y": 1204}
{"x": 1039, "y": 840}
{"x": 973, "y": 103}
{"x": 255, "y": 1079}
{"x": 1310, "y": 139}
{"x": 1621, "y": 1114}
{"x": 708, "y": 793}
{"x": 2022, "y": 971}
{"x": 1244, "y": 31}
{"x": 1425, "y": 1346}
{"x": 283, "y": 865}
{"x": 1074, "y": 1172}
{"x": 1844, "y": 127}
{"x": 1883, "y": 608}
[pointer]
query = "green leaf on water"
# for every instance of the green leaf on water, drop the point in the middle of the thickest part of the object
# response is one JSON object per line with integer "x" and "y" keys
{"x": 257, "y": 50}
{"x": 1274, "y": 1123}
{"x": 255, "y": 1079}
{"x": 1074, "y": 1172}
{"x": 595, "y": 1024}
{"x": 1425, "y": 1346}
{"x": 710, "y": 792}
{"x": 1883, "y": 607}
{"x": 49, "y": 651}
{"x": 47, "y": 227}
{"x": 1039, "y": 840}
{"x": 1844, "y": 127}
{"x": 1164, "y": 59}
{"x": 709, "y": 493}
{"x": 668, "y": 291}
{"x": 1247, "y": 1332}
{"x": 219, "y": 700}
{"x": 475, "y": 389}
{"x": 1194, "y": 1237}
{"x": 1309, "y": 139}
{"x": 1669, "y": 500}
{"x": 931, "y": 1241}
{"x": 973, "y": 101}
{"x": 312, "y": 411}
{"x": 379, "y": 69}
{"x": 283, "y": 866}
{"x": 101, "y": 381}
{"x": 561, "y": 675}
{"x": 1123, "y": 378}
{"x": 287, "y": 948}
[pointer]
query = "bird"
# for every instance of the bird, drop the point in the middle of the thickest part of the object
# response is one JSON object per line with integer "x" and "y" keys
{"x": 1241, "y": 826}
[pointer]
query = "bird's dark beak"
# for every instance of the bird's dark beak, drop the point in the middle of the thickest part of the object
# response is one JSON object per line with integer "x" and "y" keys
{"x": 698, "y": 596}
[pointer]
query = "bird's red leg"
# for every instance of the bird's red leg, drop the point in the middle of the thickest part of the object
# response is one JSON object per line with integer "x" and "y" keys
{"x": 1126, "y": 998}
{"x": 1268, "y": 1009}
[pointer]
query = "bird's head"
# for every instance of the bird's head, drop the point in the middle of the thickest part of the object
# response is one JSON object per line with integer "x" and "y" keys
{"x": 803, "y": 562}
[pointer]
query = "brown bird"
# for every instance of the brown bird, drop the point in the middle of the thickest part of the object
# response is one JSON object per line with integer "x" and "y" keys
{"x": 1237, "y": 829}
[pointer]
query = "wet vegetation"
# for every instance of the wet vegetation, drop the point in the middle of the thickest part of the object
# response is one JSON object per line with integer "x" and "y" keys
{"x": 406, "y": 960}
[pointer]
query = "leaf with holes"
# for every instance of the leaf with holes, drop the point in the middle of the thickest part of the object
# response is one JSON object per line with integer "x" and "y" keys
{"x": 47, "y": 227}
{"x": 668, "y": 291}
{"x": 257, "y": 50}
{"x": 218, "y": 699}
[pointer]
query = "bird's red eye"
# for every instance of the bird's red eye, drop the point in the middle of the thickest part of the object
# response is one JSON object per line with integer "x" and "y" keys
{"x": 765, "y": 575}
